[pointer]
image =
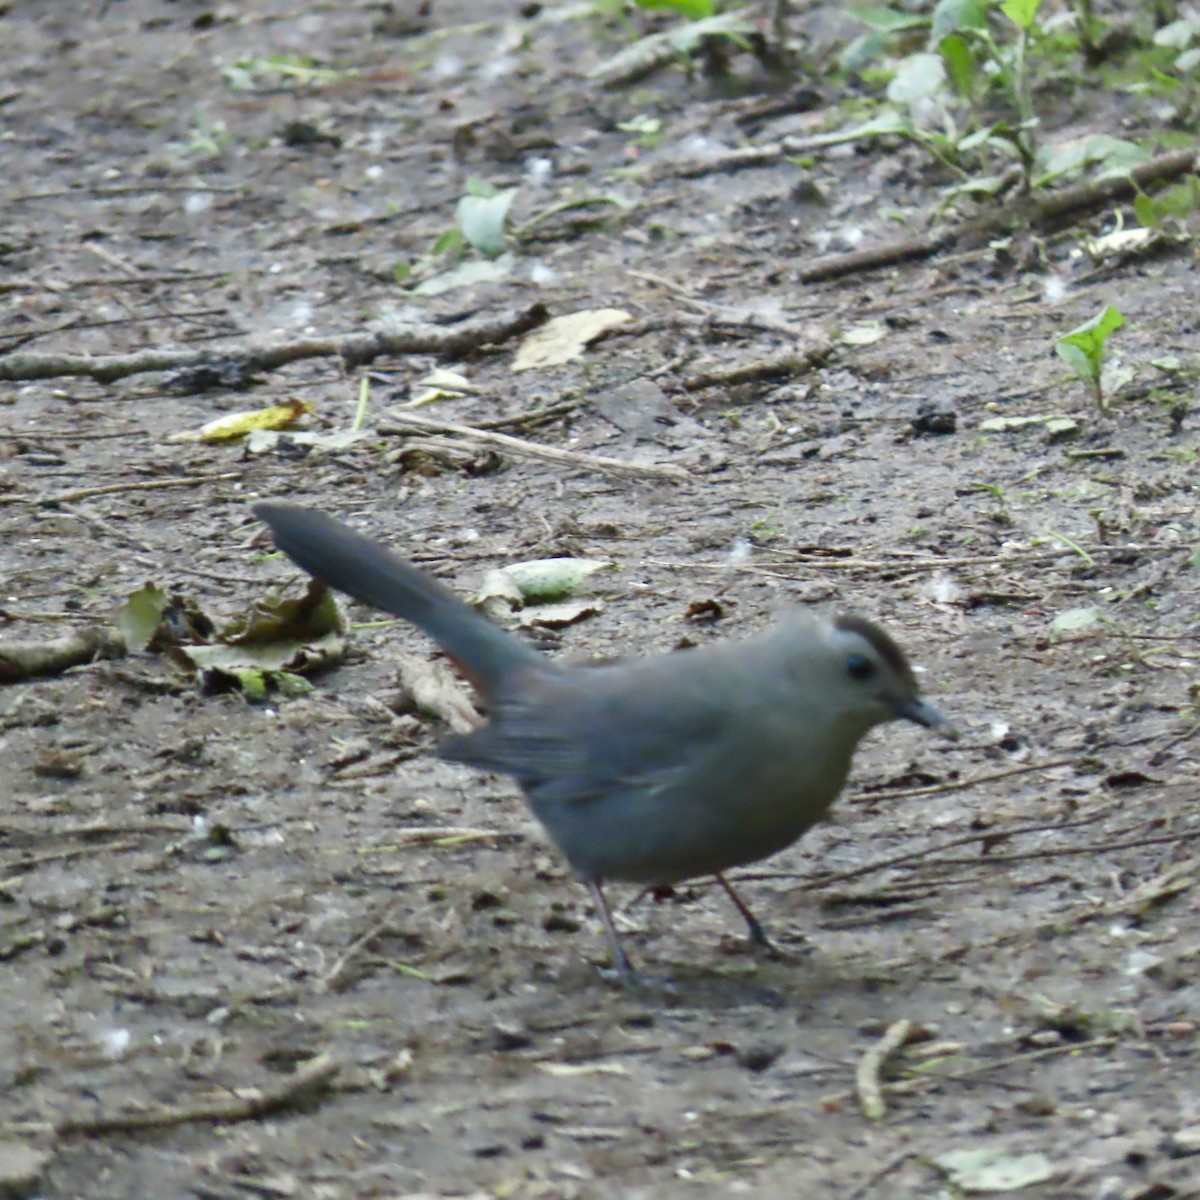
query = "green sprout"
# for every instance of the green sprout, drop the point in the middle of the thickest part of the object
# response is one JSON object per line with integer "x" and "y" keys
{"x": 1082, "y": 349}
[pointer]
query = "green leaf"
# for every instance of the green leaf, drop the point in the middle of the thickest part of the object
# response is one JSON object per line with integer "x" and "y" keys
{"x": 1082, "y": 349}
{"x": 888, "y": 20}
{"x": 276, "y": 638}
{"x": 953, "y": 16}
{"x": 1112, "y": 155}
{"x": 959, "y": 63}
{"x": 450, "y": 242}
{"x": 887, "y": 122}
{"x": 551, "y": 578}
{"x": 1179, "y": 200}
{"x": 695, "y": 10}
{"x": 1168, "y": 362}
{"x": 1022, "y": 13}
{"x": 467, "y": 275}
{"x": 917, "y": 78}
{"x": 1078, "y": 360}
{"x": 480, "y": 187}
{"x": 862, "y": 51}
{"x": 866, "y": 333}
{"x": 1146, "y": 210}
{"x": 1074, "y": 620}
{"x": 1177, "y": 34}
{"x": 993, "y": 1169}
{"x": 481, "y": 219}
{"x": 138, "y": 617}
{"x": 679, "y": 40}
{"x": 1196, "y": 558}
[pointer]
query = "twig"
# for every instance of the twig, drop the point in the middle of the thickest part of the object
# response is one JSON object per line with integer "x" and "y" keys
{"x": 146, "y": 485}
{"x": 959, "y": 785}
{"x": 1048, "y": 208}
{"x": 354, "y": 349}
{"x": 536, "y": 416}
{"x": 1153, "y": 892}
{"x": 898, "y": 565}
{"x": 124, "y": 189}
{"x": 28, "y": 283}
{"x": 871, "y": 258}
{"x": 867, "y": 1080}
{"x": 925, "y": 853}
{"x": 298, "y": 1090}
{"x": 25, "y": 660}
{"x": 75, "y": 325}
{"x": 97, "y": 829}
{"x": 21, "y": 943}
{"x": 907, "y": 1086}
{"x": 334, "y": 979}
{"x": 1159, "y": 839}
{"x": 1096, "y": 192}
{"x": 30, "y": 862}
{"x": 422, "y": 835}
{"x": 1101, "y": 452}
{"x": 781, "y": 366}
{"x": 857, "y": 1193}
{"x": 1187, "y": 735}
{"x": 597, "y": 462}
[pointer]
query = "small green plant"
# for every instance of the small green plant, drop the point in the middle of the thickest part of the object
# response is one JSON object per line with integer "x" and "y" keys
{"x": 694, "y": 10}
{"x": 679, "y": 43}
{"x": 1001, "y": 513}
{"x": 649, "y": 130}
{"x": 763, "y": 530}
{"x": 482, "y": 214}
{"x": 482, "y": 224}
{"x": 1082, "y": 349}
{"x": 273, "y": 70}
{"x": 206, "y": 139}
{"x": 1172, "y": 203}
{"x": 944, "y": 96}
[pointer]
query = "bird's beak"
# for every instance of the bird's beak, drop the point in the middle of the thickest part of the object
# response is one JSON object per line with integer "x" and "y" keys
{"x": 923, "y": 713}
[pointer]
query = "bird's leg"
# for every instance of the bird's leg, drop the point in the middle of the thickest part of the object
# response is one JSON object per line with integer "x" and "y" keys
{"x": 624, "y": 967}
{"x": 758, "y": 935}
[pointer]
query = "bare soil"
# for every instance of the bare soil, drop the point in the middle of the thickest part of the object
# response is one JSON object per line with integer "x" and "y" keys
{"x": 199, "y": 895}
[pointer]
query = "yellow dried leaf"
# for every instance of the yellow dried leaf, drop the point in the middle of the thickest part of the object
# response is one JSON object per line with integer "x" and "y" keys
{"x": 235, "y": 425}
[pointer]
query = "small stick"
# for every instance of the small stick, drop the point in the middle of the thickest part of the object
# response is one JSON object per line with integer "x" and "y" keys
{"x": 146, "y": 485}
{"x": 867, "y": 1080}
{"x": 27, "y": 863}
{"x": 958, "y": 785}
{"x": 335, "y": 978}
{"x": 878, "y": 1176}
{"x": 354, "y": 349}
{"x": 27, "y": 659}
{"x": 903, "y": 1087}
{"x": 596, "y": 462}
{"x": 298, "y": 1089}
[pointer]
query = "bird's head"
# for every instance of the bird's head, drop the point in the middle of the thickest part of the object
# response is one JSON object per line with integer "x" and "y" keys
{"x": 869, "y": 675}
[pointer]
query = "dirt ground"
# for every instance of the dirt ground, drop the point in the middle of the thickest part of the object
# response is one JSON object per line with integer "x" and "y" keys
{"x": 200, "y": 896}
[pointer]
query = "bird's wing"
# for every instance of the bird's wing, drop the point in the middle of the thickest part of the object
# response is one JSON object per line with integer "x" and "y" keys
{"x": 581, "y": 733}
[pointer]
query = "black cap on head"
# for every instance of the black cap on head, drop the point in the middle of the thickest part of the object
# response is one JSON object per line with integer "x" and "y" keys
{"x": 882, "y": 643}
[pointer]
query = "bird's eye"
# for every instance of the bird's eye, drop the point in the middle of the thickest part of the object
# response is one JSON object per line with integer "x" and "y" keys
{"x": 858, "y": 667}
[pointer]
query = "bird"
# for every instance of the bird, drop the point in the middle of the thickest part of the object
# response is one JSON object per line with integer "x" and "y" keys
{"x": 652, "y": 770}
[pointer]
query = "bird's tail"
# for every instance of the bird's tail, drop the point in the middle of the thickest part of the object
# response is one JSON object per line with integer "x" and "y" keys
{"x": 333, "y": 553}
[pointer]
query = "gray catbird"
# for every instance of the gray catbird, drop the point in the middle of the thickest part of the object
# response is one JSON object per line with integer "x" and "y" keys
{"x": 657, "y": 770}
